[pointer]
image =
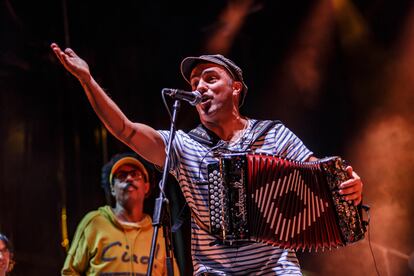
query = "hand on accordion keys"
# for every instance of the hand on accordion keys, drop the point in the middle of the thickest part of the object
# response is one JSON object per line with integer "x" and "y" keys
{"x": 352, "y": 188}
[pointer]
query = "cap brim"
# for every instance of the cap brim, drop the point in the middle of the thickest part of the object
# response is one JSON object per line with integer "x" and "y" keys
{"x": 128, "y": 161}
{"x": 188, "y": 64}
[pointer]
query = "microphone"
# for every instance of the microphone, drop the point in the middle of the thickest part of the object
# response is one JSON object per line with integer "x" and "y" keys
{"x": 193, "y": 97}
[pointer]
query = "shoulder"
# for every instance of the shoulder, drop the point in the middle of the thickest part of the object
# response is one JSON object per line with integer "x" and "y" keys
{"x": 255, "y": 123}
{"x": 94, "y": 219}
{"x": 265, "y": 127}
{"x": 165, "y": 134}
{"x": 86, "y": 231}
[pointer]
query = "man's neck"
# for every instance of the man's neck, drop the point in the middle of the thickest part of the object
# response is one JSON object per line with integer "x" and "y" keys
{"x": 128, "y": 214}
{"x": 228, "y": 130}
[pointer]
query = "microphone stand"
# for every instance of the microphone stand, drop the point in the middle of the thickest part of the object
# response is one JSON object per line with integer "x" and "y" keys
{"x": 162, "y": 202}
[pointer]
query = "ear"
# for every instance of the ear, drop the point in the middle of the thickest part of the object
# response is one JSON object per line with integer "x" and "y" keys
{"x": 112, "y": 190}
{"x": 11, "y": 264}
{"x": 237, "y": 87}
{"x": 147, "y": 189}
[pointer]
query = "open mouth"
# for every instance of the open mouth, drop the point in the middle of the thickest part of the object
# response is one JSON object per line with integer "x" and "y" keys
{"x": 206, "y": 98}
{"x": 206, "y": 106}
{"x": 206, "y": 102}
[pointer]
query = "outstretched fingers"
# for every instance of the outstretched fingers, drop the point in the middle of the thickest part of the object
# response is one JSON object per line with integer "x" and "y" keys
{"x": 70, "y": 52}
{"x": 58, "y": 52}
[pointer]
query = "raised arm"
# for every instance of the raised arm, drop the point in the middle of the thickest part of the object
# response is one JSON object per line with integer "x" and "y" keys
{"x": 139, "y": 137}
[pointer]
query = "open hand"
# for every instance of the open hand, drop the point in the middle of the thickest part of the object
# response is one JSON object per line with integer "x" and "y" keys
{"x": 72, "y": 62}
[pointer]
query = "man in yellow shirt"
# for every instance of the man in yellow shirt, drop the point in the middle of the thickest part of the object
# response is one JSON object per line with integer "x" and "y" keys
{"x": 117, "y": 240}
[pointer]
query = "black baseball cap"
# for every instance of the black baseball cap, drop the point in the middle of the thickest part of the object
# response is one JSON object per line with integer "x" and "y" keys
{"x": 188, "y": 64}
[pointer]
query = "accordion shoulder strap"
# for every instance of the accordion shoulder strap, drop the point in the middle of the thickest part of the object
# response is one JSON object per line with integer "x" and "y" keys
{"x": 260, "y": 128}
{"x": 208, "y": 138}
{"x": 204, "y": 136}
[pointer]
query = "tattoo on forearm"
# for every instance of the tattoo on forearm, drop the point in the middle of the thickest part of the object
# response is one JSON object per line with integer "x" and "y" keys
{"x": 122, "y": 127}
{"x": 129, "y": 137}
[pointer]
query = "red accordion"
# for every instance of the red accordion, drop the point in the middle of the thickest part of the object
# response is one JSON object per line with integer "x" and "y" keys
{"x": 285, "y": 203}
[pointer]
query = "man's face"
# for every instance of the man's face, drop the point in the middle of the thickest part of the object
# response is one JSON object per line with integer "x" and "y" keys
{"x": 130, "y": 186}
{"x": 219, "y": 90}
{"x": 4, "y": 258}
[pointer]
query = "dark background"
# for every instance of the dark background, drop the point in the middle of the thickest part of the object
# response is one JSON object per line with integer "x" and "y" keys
{"x": 337, "y": 73}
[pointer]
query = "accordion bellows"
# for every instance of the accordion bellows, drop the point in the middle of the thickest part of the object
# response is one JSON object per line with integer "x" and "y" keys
{"x": 285, "y": 203}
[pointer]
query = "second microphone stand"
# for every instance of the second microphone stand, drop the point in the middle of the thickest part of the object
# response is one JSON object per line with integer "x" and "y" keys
{"x": 161, "y": 209}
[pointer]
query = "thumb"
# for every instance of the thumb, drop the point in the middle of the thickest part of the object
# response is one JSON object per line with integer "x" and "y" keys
{"x": 349, "y": 171}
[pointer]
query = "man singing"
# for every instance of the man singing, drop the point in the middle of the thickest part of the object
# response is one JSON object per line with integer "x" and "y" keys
{"x": 221, "y": 84}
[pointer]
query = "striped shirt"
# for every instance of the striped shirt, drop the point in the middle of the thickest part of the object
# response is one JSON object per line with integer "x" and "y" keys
{"x": 189, "y": 166}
